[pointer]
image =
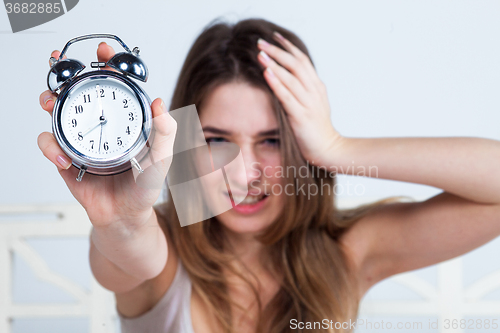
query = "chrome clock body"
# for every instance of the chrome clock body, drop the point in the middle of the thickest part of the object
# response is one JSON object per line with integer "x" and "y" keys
{"x": 93, "y": 163}
{"x": 102, "y": 119}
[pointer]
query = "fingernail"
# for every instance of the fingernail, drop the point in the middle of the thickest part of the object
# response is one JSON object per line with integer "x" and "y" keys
{"x": 163, "y": 106}
{"x": 270, "y": 71}
{"x": 265, "y": 56}
{"x": 48, "y": 98}
{"x": 63, "y": 162}
{"x": 277, "y": 34}
{"x": 262, "y": 42}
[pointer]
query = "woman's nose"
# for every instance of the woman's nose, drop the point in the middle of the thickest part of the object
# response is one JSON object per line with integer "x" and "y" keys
{"x": 246, "y": 173}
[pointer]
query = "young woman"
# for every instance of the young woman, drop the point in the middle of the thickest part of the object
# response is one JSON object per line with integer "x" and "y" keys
{"x": 276, "y": 257}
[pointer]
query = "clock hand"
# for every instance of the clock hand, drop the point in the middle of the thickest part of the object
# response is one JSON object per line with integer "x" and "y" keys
{"x": 100, "y": 137}
{"x": 102, "y": 121}
{"x": 99, "y": 100}
{"x": 102, "y": 115}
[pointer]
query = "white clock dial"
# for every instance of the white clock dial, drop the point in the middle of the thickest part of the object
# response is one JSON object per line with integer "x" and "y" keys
{"x": 102, "y": 118}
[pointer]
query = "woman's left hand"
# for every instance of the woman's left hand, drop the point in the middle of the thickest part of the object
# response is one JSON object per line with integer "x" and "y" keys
{"x": 292, "y": 77}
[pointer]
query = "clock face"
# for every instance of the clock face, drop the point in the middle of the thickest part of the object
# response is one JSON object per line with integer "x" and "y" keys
{"x": 101, "y": 118}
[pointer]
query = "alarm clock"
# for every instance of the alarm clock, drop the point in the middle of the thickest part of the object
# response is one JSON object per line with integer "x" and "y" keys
{"x": 101, "y": 119}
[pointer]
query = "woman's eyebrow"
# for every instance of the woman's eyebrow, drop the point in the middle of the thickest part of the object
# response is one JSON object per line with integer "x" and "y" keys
{"x": 215, "y": 130}
{"x": 272, "y": 132}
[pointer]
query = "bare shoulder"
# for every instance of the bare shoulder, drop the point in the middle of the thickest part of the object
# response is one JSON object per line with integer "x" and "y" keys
{"x": 139, "y": 300}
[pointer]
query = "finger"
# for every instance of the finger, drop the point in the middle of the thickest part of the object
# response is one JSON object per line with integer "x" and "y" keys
{"x": 104, "y": 53}
{"x": 55, "y": 54}
{"x": 287, "y": 78}
{"x": 165, "y": 128}
{"x": 50, "y": 149}
{"x": 301, "y": 56}
{"x": 159, "y": 156}
{"x": 47, "y": 100}
{"x": 70, "y": 175}
{"x": 291, "y": 105}
{"x": 299, "y": 67}
{"x": 290, "y": 47}
{"x": 290, "y": 62}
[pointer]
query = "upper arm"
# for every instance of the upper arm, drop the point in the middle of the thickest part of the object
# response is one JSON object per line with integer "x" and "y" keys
{"x": 405, "y": 236}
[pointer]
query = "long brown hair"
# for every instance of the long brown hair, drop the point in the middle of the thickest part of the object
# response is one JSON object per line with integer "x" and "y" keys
{"x": 316, "y": 280}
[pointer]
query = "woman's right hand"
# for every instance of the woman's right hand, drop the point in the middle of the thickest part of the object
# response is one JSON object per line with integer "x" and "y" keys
{"x": 109, "y": 199}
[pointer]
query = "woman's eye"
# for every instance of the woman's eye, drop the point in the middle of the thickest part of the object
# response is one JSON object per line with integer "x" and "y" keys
{"x": 271, "y": 142}
{"x": 208, "y": 140}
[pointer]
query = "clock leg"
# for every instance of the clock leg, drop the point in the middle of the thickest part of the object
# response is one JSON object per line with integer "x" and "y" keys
{"x": 83, "y": 168}
{"x": 136, "y": 165}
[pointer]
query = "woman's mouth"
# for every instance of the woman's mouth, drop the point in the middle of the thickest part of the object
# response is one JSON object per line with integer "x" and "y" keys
{"x": 249, "y": 199}
{"x": 249, "y": 204}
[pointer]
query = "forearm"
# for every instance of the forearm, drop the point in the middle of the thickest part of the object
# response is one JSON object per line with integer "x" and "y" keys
{"x": 108, "y": 274}
{"x": 141, "y": 253}
{"x": 467, "y": 167}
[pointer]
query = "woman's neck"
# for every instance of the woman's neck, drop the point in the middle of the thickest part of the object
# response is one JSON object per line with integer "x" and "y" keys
{"x": 249, "y": 253}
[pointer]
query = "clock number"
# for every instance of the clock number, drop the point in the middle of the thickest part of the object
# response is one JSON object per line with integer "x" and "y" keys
{"x": 73, "y": 121}
{"x": 79, "y": 109}
{"x": 131, "y": 116}
{"x": 119, "y": 141}
{"x": 114, "y": 97}
{"x": 80, "y": 136}
{"x": 106, "y": 146}
{"x": 86, "y": 98}
{"x": 102, "y": 92}
{"x": 127, "y": 130}
{"x": 91, "y": 144}
{"x": 125, "y": 104}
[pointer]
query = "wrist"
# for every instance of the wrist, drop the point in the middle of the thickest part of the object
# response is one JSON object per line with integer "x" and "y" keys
{"x": 125, "y": 225}
{"x": 336, "y": 152}
{"x": 140, "y": 253}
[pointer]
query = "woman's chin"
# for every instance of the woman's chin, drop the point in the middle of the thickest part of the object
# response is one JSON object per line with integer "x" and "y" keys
{"x": 243, "y": 225}
{"x": 251, "y": 217}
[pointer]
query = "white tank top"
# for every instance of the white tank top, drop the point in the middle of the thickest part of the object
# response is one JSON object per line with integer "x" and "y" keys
{"x": 172, "y": 314}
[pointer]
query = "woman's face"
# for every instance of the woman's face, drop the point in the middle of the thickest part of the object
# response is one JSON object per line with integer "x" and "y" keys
{"x": 239, "y": 113}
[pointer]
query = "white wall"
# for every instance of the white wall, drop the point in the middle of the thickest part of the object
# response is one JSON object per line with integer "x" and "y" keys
{"x": 392, "y": 68}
